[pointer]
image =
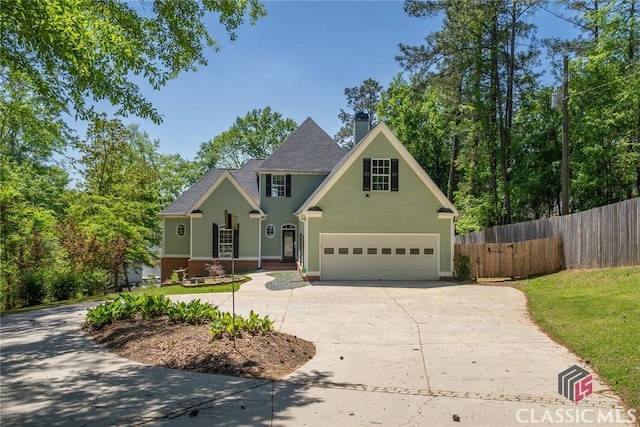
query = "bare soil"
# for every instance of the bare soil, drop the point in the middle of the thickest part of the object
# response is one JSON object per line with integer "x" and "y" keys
{"x": 159, "y": 342}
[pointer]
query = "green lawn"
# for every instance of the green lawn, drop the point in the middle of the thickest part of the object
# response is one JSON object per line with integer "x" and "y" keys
{"x": 596, "y": 314}
{"x": 165, "y": 290}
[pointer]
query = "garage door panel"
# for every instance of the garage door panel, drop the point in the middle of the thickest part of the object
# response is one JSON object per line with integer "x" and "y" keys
{"x": 379, "y": 256}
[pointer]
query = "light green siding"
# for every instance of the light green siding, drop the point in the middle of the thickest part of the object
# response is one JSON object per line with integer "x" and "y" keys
{"x": 346, "y": 209}
{"x": 225, "y": 196}
{"x": 175, "y": 245}
{"x": 280, "y": 210}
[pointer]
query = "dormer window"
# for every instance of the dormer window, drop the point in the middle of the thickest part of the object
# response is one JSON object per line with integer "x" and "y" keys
{"x": 278, "y": 185}
{"x": 380, "y": 175}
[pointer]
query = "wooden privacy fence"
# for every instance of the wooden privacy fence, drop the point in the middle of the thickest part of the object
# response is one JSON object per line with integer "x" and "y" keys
{"x": 608, "y": 236}
{"x": 521, "y": 259}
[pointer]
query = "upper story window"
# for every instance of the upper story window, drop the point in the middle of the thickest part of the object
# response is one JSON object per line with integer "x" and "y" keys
{"x": 278, "y": 185}
{"x": 379, "y": 174}
{"x": 181, "y": 230}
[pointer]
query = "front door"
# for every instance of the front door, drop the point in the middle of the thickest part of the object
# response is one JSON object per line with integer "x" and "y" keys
{"x": 288, "y": 245}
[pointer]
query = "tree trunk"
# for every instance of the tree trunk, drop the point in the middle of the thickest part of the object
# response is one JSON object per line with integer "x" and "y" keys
{"x": 455, "y": 146}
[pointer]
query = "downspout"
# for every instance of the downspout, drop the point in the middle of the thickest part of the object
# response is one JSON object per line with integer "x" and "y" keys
{"x": 262, "y": 218}
{"x": 190, "y": 237}
{"x": 453, "y": 245}
{"x": 303, "y": 218}
{"x": 164, "y": 237}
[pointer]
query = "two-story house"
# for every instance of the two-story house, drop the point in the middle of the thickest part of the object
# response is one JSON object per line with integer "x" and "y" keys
{"x": 372, "y": 213}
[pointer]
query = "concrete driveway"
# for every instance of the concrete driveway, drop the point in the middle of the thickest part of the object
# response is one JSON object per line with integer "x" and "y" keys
{"x": 391, "y": 354}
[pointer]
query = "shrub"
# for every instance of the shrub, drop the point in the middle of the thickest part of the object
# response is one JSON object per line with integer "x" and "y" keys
{"x": 152, "y": 306}
{"x": 463, "y": 267}
{"x": 31, "y": 290}
{"x": 194, "y": 312}
{"x": 174, "y": 279}
{"x": 95, "y": 282}
{"x": 63, "y": 286}
{"x": 128, "y": 306}
{"x": 228, "y": 325}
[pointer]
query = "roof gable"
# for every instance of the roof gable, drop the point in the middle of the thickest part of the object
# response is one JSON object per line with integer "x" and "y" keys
{"x": 185, "y": 203}
{"x": 193, "y": 198}
{"x": 307, "y": 149}
{"x": 348, "y": 160}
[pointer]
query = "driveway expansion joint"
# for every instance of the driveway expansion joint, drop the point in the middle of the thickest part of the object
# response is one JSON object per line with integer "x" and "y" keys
{"x": 599, "y": 403}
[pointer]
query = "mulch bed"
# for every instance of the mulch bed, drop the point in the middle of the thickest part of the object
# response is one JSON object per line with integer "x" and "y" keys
{"x": 159, "y": 342}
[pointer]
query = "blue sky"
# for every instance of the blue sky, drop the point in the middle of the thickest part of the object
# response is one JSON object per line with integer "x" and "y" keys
{"x": 298, "y": 60}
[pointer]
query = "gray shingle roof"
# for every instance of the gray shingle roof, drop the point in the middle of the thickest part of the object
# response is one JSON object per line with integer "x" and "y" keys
{"x": 248, "y": 179}
{"x": 308, "y": 149}
{"x": 185, "y": 202}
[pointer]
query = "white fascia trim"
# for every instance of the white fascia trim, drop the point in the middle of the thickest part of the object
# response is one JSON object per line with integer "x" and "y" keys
{"x": 289, "y": 172}
{"x": 173, "y": 215}
{"x": 358, "y": 150}
{"x": 195, "y": 215}
{"x": 227, "y": 175}
{"x": 446, "y": 215}
{"x": 176, "y": 256}
{"x": 259, "y": 216}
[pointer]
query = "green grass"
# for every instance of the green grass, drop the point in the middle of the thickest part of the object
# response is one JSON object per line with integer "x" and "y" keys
{"x": 165, "y": 290}
{"x": 596, "y": 314}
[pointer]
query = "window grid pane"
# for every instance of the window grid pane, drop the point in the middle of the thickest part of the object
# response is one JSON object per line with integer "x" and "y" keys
{"x": 277, "y": 185}
{"x": 380, "y": 174}
{"x": 225, "y": 243}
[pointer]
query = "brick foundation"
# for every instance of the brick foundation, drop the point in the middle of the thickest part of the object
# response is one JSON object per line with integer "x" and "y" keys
{"x": 167, "y": 265}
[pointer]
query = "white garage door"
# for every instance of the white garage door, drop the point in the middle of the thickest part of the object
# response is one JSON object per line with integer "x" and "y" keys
{"x": 379, "y": 257}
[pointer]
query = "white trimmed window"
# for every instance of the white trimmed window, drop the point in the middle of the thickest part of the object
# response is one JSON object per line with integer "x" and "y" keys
{"x": 380, "y": 174}
{"x": 225, "y": 243}
{"x": 270, "y": 231}
{"x": 181, "y": 230}
{"x": 278, "y": 185}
